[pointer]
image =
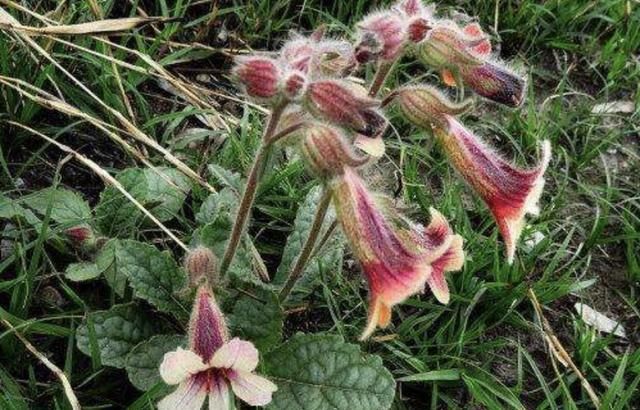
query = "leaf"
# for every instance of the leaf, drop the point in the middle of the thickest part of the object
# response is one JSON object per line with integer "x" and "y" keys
{"x": 227, "y": 178}
{"x": 107, "y": 26}
{"x": 489, "y": 391}
{"x": 143, "y": 361}
{"x": 258, "y": 321}
{"x": 224, "y": 202}
{"x": 67, "y": 207}
{"x": 82, "y": 271}
{"x": 323, "y": 372}
{"x": 599, "y": 321}
{"x": 116, "y": 331}
{"x": 328, "y": 260}
{"x": 163, "y": 196}
{"x": 11, "y": 209}
{"x": 106, "y": 263}
{"x": 153, "y": 275}
{"x": 434, "y": 375}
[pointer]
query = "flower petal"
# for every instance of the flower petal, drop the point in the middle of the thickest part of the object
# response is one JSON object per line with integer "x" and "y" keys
{"x": 451, "y": 260}
{"x": 236, "y": 354}
{"x": 372, "y": 146}
{"x": 509, "y": 192}
{"x": 219, "y": 395}
{"x": 251, "y": 388}
{"x": 379, "y": 316}
{"x": 207, "y": 328}
{"x": 189, "y": 395}
{"x": 179, "y": 365}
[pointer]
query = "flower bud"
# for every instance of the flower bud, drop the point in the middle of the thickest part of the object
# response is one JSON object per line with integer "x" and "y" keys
{"x": 82, "y": 237}
{"x": 335, "y": 58}
{"x": 260, "y": 77}
{"x": 294, "y": 83}
{"x": 446, "y": 46}
{"x": 496, "y": 83}
{"x": 342, "y": 103}
{"x": 297, "y": 53}
{"x": 201, "y": 266}
{"x": 427, "y": 107}
{"x": 418, "y": 29}
{"x": 327, "y": 150}
{"x": 382, "y": 35}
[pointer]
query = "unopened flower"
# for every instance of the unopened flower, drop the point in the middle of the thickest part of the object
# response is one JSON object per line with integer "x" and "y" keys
{"x": 260, "y": 77}
{"x": 211, "y": 364}
{"x": 344, "y": 104}
{"x": 381, "y": 35}
{"x": 510, "y": 192}
{"x": 397, "y": 256}
{"x": 465, "y": 52}
{"x": 317, "y": 56}
{"x": 327, "y": 150}
{"x": 82, "y": 237}
{"x": 201, "y": 266}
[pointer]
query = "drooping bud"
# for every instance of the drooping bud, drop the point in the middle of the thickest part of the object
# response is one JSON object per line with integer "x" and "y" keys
{"x": 294, "y": 83}
{"x": 381, "y": 35}
{"x": 496, "y": 83}
{"x": 344, "y": 104}
{"x": 297, "y": 53}
{"x": 418, "y": 29}
{"x": 327, "y": 150}
{"x": 201, "y": 266}
{"x": 260, "y": 77}
{"x": 425, "y": 106}
{"x": 335, "y": 58}
{"x": 446, "y": 46}
{"x": 82, "y": 237}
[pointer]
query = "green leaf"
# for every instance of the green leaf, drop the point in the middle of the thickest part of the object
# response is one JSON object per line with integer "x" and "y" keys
{"x": 143, "y": 361}
{"x": 67, "y": 207}
{"x": 116, "y": 332}
{"x": 227, "y": 178}
{"x": 434, "y": 375}
{"x": 162, "y": 195}
{"x": 78, "y": 272}
{"x": 106, "y": 262}
{"x": 323, "y": 372}
{"x": 153, "y": 275}
{"x": 328, "y": 260}
{"x": 258, "y": 321}
{"x": 224, "y": 202}
{"x": 489, "y": 391}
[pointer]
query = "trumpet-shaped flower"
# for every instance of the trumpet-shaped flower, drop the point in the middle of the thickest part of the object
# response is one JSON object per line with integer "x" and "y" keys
{"x": 212, "y": 363}
{"x": 397, "y": 256}
{"x": 466, "y": 52}
{"x": 510, "y": 192}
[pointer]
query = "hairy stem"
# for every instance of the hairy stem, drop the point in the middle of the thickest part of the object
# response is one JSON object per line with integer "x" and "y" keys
{"x": 382, "y": 71}
{"x": 308, "y": 247}
{"x": 249, "y": 194}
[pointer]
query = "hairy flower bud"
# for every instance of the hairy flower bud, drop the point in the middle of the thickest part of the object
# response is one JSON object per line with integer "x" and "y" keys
{"x": 446, "y": 46}
{"x": 426, "y": 106}
{"x": 335, "y": 58}
{"x": 297, "y": 53}
{"x": 327, "y": 150}
{"x": 82, "y": 237}
{"x": 201, "y": 266}
{"x": 381, "y": 35}
{"x": 260, "y": 77}
{"x": 418, "y": 29}
{"x": 294, "y": 83}
{"x": 495, "y": 82}
{"x": 344, "y": 104}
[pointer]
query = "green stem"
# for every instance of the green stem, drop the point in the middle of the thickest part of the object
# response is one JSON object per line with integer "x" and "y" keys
{"x": 308, "y": 247}
{"x": 383, "y": 70}
{"x": 249, "y": 194}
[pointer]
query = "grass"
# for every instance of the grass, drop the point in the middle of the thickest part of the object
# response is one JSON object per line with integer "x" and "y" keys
{"x": 484, "y": 350}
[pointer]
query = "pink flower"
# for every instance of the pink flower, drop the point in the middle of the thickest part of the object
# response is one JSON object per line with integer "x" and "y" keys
{"x": 260, "y": 77}
{"x": 397, "y": 256}
{"x": 466, "y": 52}
{"x": 510, "y": 192}
{"x": 212, "y": 363}
{"x": 344, "y": 104}
{"x": 381, "y": 35}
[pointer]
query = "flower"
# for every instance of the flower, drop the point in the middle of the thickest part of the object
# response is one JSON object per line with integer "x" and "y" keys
{"x": 315, "y": 55}
{"x": 466, "y": 52}
{"x": 82, "y": 237}
{"x": 327, "y": 150}
{"x": 397, "y": 256}
{"x": 212, "y": 363}
{"x": 381, "y": 35}
{"x": 260, "y": 77}
{"x": 345, "y": 104}
{"x": 510, "y": 192}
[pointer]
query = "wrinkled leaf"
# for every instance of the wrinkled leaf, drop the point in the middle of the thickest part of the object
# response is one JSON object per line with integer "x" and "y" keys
{"x": 82, "y": 271}
{"x": 143, "y": 361}
{"x": 227, "y": 178}
{"x": 328, "y": 260}
{"x": 67, "y": 207}
{"x": 323, "y": 372}
{"x": 153, "y": 275}
{"x": 258, "y": 321}
{"x": 116, "y": 331}
{"x": 106, "y": 263}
